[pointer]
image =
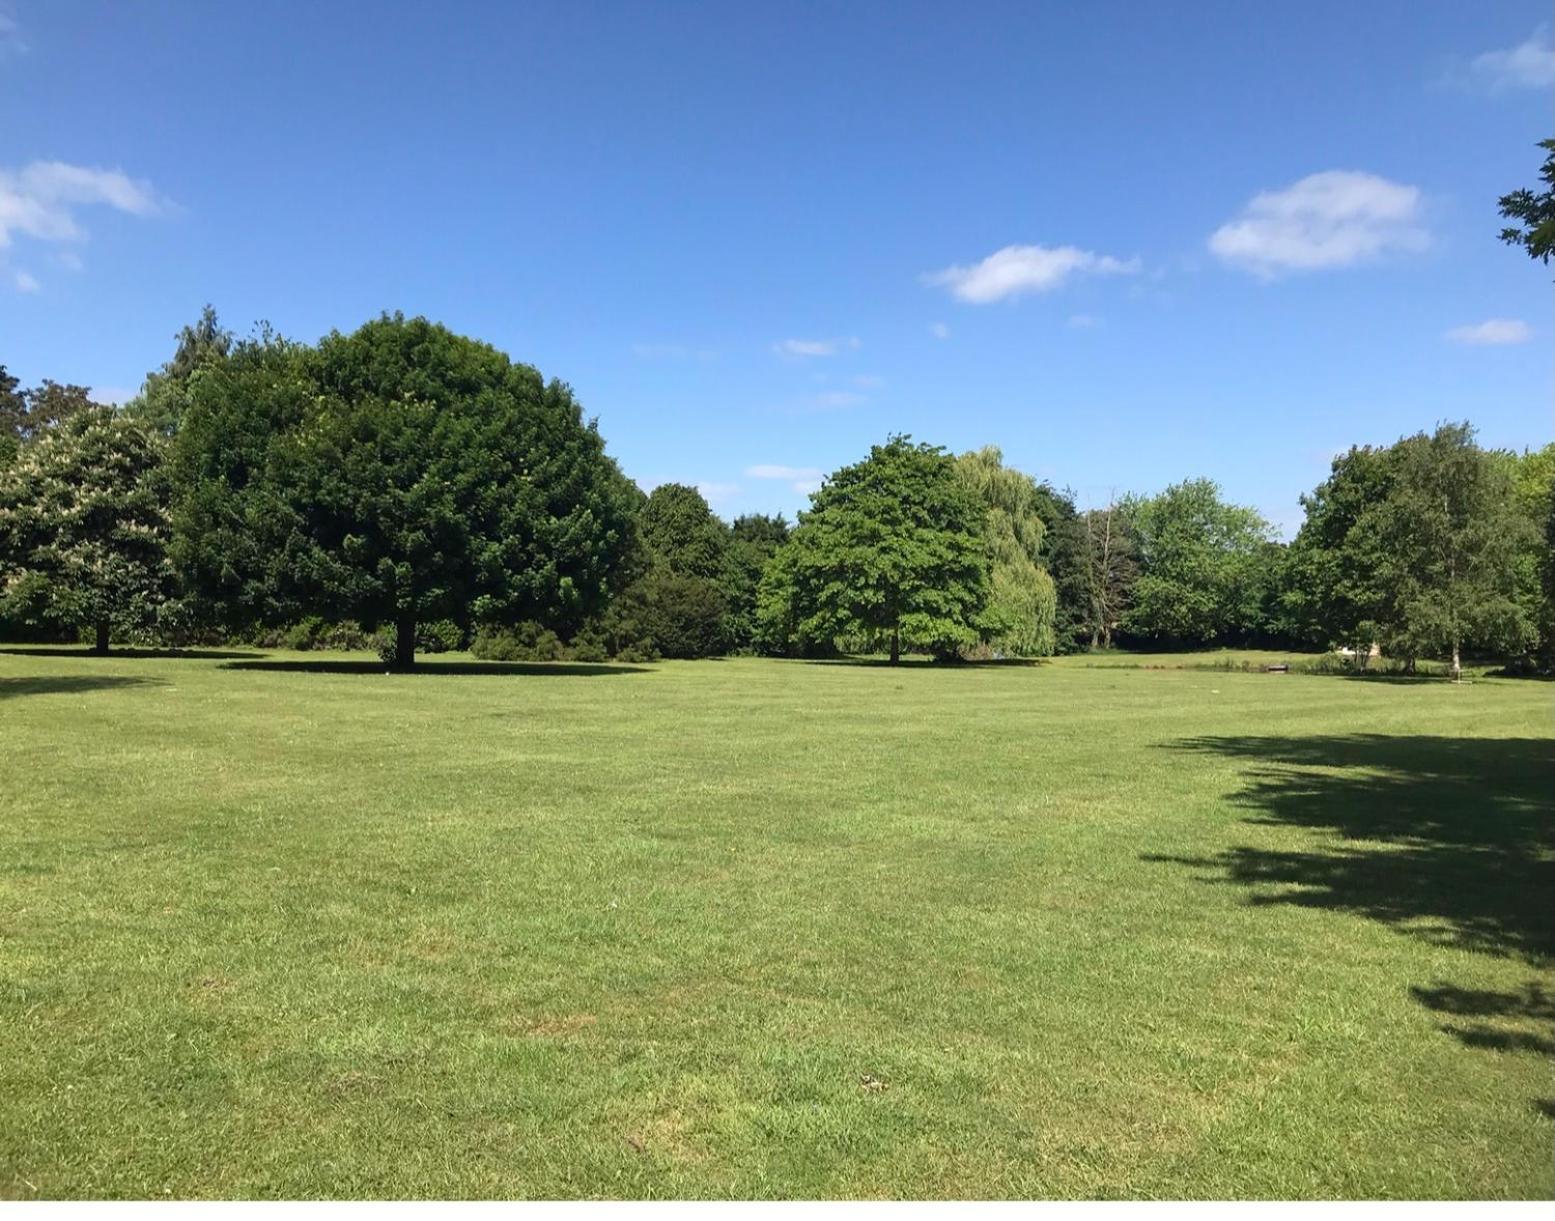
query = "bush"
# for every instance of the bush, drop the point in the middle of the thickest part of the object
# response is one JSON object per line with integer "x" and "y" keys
{"x": 442, "y": 636}
{"x": 588, "y": 645}
{"x": 524, "y": 642}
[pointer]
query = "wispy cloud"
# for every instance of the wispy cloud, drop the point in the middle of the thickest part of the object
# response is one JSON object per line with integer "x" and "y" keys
{"x": 939, "y": 330}
{"x": 1492, "y": 331}
{"x": 40, "y": 201}
{"x": 26, "y": 282}
{"x": 1336, "y": 218}
{"x": 11, "y": 42}
{"x": 718, "y": 493}
{"x": 1017, "y": 270}
{"x": 671, "y": 351}
{"x": 803, "y": 479}
{"x": 1084, "y": 322}
{"x": 868, "y": 381}
{"x": 1528, "y": 65}
{"x": 803, "y": 349}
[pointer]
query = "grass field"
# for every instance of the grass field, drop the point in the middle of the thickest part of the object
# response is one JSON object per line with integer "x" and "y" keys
{"x": 271, "y": 927}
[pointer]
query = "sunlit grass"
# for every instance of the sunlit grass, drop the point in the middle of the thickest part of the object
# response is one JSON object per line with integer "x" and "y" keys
{"x": 761, "y": 928}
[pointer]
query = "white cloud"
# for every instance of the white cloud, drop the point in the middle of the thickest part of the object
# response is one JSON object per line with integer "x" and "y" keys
{"x": 868, "y": 381}
{"x": 1492, "y": 331}
{"x": 40, "y": 200}
{"x": 1083, "y": 321}
{"x": 1017, "y": 270}
{"x": 26, "y": 282}
{"x": 939, "y": 330}
{"x": 1336, "y": 218}
{"x": 116, "y": 395}
{"x": 715, "y": 493}
{"x": 804, "y": 348}
{"x": 1528, "y": 65}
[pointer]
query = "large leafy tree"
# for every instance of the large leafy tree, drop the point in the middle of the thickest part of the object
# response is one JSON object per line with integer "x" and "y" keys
{"x": 753, "y": 540}
{"x": 1065, "y": 553}
{"x": 1534, "y": 212}
{"x": 1339, "y": 587}
{"x": 1199, "y": 561}
{"x": 1451, "y": 530}
{"x": 680, "y": 532}
{"x": 396, "y": 475}
{"x": 27, "y": 414}
{"x": 677, "y": 603}
{"x": 1022, "y": 600}
{"x": 892, "y": 548}
{"x": 84, "y": 526}
{"x": 164, "y": 398}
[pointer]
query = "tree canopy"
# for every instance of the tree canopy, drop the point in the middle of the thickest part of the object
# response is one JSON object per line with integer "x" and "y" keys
{"x": 1199, "y": 571}
{"x": 394, "y": 475}
{"x": 84, "y": 526}
{"x": 1022, "y": 604}
{"x": 892, "y": 548}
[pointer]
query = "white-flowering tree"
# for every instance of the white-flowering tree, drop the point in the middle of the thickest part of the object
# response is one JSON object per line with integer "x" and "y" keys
{"x": 84, "y": 525}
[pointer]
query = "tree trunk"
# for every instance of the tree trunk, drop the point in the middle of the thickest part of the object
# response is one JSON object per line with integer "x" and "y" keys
{"x": 405, "y": 643}
{"x": 896, "y": 645}
{"x": 1457, "y": 662}
{"x": 101, "y": 645}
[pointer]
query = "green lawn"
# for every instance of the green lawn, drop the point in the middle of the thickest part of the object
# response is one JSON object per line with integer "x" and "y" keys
{"x": 759, "y": 928}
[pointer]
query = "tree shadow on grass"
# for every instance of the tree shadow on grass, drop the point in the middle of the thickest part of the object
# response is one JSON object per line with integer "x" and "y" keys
{"x": 1451, "y": 840}
{"x": 546, "y": 669}
{"x": 82, "y": 652}
{"x": 69, "y": 684}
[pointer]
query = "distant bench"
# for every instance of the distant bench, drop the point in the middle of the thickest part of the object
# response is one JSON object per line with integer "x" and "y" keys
{"x": 1282, "y": 668}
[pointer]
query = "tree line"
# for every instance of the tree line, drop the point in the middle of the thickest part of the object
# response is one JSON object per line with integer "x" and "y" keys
{"x": 407, "y": 488}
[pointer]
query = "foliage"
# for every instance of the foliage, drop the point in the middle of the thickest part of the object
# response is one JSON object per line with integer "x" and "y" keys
{"x": 164, "y": 398}
{"x": 84, "y": 527}
{"x": 1532, "y": 476}
{"x": 26, "y": 415}
{"x": 753, "y": 540}
{"x": 1199, "y": 566}
{"x": 892, "y": 547}
{"x": 1066, "y": 555}
{"x": 1450, "y": 532}
{"x": 680, "y": 533}
{"x": 527, "y": 641}
{"x": 1018, "y": 618}
{"x": 1536, "y": 212}
{"x": 13, "y": 411}
{"x": 1338, "y": 589}
{"x": 669, "y": 614}
{"x": 398, "y": 474}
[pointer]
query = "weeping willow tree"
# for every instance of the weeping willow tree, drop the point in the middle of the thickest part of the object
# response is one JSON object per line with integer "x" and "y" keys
{"x": 1022, "y": 602}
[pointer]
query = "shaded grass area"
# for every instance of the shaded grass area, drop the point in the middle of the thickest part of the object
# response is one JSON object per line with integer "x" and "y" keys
{"x": 769, "y": 929}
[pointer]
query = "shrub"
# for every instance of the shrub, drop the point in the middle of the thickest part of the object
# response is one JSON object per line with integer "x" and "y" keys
{"x": 524, "y": 642}
{"x": 441, "y": 636}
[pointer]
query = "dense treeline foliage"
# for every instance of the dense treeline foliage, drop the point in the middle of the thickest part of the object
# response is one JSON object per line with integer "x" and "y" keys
{"x": 414, "y": 490}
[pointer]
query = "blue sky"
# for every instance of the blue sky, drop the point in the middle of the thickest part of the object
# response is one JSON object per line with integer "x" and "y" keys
{"x": 1128, "y": 243}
